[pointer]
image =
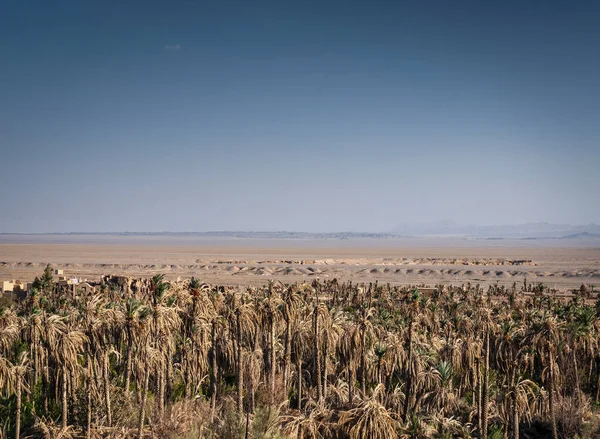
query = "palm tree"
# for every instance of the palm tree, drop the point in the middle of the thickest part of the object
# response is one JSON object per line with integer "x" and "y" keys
{"x": 270, "y": 315}
{"x": 320, "y": 310}
{"x": 289, "y": 309}
{"x": 348, "y": 351}
{"x": 413, "y": 306}
{"x": 583, "y": 340}
{"x": 486, "y": 326}
{"x": 331, "y": 333}
{"x": 441, "y": 396}
{"x": 149, "y": 359}
{"x": 300, "y": 341}
{"x": 310, "y": 424}
{"x": 546, "y": 338}
{"x": 217, "y": 323}
{"x": 69, "y": 344}
{"x": 166, "y": 319}
{"x": 370, "y": 419}
{"x": 135, "y": 313}
{"x": 244, "y": 317}
{"x": 366, "y": 328}
{"x": 13, "y": 376}
{"x": 523, "y": 394}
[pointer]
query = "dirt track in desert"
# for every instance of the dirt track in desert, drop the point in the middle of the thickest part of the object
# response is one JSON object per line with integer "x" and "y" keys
{"x": 251, "y": 261}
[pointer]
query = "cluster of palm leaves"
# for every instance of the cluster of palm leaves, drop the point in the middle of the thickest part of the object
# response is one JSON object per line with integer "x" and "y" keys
{"x": 322, "y": 359}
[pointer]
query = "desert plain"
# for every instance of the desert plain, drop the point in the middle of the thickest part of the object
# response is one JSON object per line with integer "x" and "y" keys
{"x": 558, "y": 264}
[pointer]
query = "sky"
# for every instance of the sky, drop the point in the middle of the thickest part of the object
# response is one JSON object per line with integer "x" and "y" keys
{"x": 314, "y": 116}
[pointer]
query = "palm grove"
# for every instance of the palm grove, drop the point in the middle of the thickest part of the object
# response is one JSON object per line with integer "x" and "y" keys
{"x": 324, "y": 359}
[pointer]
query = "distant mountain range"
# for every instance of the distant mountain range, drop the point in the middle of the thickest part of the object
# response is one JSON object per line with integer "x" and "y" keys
{"x": 517, "y": 231}
{"x": 443, "y": 229}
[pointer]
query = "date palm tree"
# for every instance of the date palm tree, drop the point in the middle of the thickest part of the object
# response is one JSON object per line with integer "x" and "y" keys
{"x": 12, "y": 378}
{"x": 370, "y": 419}
{"x": 545, "y": 337}
{"x": 68, "y": 346}
{"x": 290, "y": 308}
{"x": 412, "y": 308}
{"x": 135, "y": 314}
{"x": 244, "y": 319}
{"x": 270, "y": 316}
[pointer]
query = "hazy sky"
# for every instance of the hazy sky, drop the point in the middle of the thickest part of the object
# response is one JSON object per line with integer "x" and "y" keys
{"x": 297, "y": 115}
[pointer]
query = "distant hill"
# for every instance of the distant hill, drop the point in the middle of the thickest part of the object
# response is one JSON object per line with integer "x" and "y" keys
{"x": 582, "y": 235}
{"x": 445, "y": 229}
{"x": 517, "y": 231}
{"x": 224, "y": 234}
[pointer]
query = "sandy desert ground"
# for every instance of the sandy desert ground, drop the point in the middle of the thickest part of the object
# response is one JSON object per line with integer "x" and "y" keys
{"x": 238, "y": 261}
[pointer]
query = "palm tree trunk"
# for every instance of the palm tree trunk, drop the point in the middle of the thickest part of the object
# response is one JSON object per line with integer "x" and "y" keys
{"x": 165, "y": 376}
{"x": 363, "y": 364}
{"x": 272, "y": 360}
{"x": 590, "y": 370}
{"x": 107, "y": 389}
{"x": 213, "y": 371}
{"x": 34, "y": 357}
{"x": 18, "y": 416}
{"x": 72, "y": 389}
{"x": 486, "y": 376}
{"x": 143, "y": 404}
{"x": 128, "y": 362}
{"x": 299, "y": 377}
{"x": 576, "y": 373}
{"x": 515, "y": 417}
{"x": 551, "y": 394}
{"x": 167, "y": 385}
{"x": 409, "y": 377}
{"x": 240, "y": 372}
{"x": 475, "y": 388}
{"x": 88, "y": 429}
{"x": 317, "y": 356}
{"x": 598, "y": 386}
{"x": 64, "y": 398}
{"x": 324, "y": 375}
{"x": 46, "y": 382}
{"x": 161, "y": 388}
{"x": 247, "y": 427}
{"x": 479, "y": 397}
{"x": 251, "y": 395}
{"x": 287, "y": 357}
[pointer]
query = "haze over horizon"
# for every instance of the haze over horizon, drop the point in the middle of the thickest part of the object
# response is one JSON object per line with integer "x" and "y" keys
{"x": 298, "y": 116}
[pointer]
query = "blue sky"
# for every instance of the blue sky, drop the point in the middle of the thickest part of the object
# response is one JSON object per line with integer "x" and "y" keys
{"x": 297, "y": 115}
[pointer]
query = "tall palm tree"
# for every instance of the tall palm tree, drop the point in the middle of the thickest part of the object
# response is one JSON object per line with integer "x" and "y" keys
{"x": 413, "y": 307}
{"x": 13, "y": 376}
{"x": 485, "y": 324}
{"x": 135, "y": 313}
{"x": 546, "y": 338}
{"x": 523, "y": 394}
{"x": 583, "y": 340}
{"x": 320, "y": 313}
{"x": 292, "y": 302}
{"x": 300, "y": 342}
{"x": 149, "y": 358}
{"x": 269, "y": 316}
{"x": 365, "y": 327}
{"x": 349, "y": 352}
{"x": 165, "y": 319}
{"x": 244, "y": 318}
{"x": 67, "y": 348}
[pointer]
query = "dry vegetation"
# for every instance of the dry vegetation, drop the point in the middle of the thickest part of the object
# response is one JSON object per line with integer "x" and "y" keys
{"x": 327, "y": 359}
